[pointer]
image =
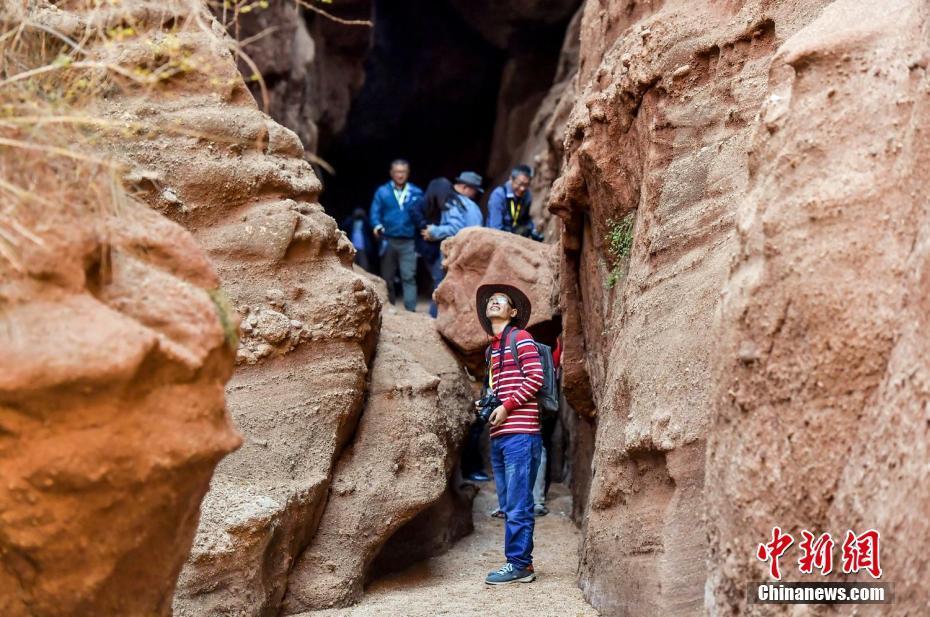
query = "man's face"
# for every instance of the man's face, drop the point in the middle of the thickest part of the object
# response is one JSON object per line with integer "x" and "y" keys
{"x": 468, "y": 191}
{"x": 520, "y": 184}
{"x": 399, "y": 174}
{"x": 499, "y": 306}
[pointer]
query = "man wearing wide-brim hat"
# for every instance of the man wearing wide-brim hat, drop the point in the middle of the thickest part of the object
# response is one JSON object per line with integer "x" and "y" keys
{"x": 516, "y": 444}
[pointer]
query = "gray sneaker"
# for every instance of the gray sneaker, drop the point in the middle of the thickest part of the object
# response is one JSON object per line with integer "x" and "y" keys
{"x": 540, "y": 509}
{"x": 509, "y": 574}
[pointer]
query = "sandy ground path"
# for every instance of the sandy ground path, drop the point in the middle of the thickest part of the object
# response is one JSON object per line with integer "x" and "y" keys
{"x": 453, "y": 584}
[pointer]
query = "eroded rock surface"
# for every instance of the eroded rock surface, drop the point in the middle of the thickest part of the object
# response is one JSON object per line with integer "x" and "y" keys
{"x": 476, "y": 256}
{"x": 399, "y": 463}
{"x": 655, "y": 168}
{"x": 722, "y": 147}
{"x": 823, "y": 371}
{"x": 201, "y": 152}
{"x": 106, "y": 374}
{"x": 116, "y": 346}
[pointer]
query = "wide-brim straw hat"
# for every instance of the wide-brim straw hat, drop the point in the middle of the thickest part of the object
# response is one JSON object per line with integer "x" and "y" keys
{"x": 517, "y": 298}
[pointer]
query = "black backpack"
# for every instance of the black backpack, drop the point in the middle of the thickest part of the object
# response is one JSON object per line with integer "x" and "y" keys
{"x": 547, "y": 397}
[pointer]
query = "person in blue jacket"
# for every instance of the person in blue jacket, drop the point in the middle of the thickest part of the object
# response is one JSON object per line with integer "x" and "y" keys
{"x": 509, "y": 204}
{"x": 390, "y": 220}
{"x": 358, "y": 230}
{"x": 468, "y": 186}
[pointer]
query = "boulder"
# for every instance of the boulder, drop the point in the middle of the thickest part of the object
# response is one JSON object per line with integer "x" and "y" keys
{"x": 476, "y": 256}
{"x": 398, "y": 465}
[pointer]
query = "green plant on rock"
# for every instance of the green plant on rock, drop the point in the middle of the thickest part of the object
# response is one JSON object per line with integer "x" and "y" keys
{"x": 225, "y": 312}
{"x": 619, "y": 241}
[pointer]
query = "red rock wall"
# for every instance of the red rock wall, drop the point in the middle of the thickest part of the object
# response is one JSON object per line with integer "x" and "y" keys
{"x": 768, "y": 151}
{"x": 200, "y": 151}
{"x": 822, "y": 375}
{"x": 668, "y": 95}
{"x": 116, "y": 345}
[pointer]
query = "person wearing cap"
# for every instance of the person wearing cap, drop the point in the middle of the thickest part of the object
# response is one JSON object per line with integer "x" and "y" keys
{"x": 445, "y": 210}
{"x": 390, "y": 219}
{"x": 516, "y": 444}
{"x": 509, "y": 204}
{"x": 468, "y": 185}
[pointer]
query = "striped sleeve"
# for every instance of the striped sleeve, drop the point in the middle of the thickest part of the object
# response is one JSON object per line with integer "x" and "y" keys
{"x": 532, "y": 372}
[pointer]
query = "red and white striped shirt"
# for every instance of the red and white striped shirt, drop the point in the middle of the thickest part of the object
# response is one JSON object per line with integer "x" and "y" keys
{"x": 517, "y": 391}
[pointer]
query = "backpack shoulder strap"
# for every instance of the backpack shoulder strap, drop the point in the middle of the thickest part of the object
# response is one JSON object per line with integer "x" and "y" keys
{"x": 513, "y": 350}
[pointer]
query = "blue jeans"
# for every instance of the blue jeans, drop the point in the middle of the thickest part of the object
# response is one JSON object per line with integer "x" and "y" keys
{"x": 515, "y": 459}
{"x": 436, "y": 271}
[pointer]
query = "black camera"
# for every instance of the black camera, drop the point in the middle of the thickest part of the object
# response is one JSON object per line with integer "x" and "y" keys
{"x": 486, "y": 406}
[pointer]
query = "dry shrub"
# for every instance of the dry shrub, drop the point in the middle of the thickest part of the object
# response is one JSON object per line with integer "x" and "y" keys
{"x": 54, "y": 164}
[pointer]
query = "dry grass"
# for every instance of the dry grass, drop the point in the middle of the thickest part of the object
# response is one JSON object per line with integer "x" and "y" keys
{"x": 53, "y": 78}
{"x": 50, "y": 128}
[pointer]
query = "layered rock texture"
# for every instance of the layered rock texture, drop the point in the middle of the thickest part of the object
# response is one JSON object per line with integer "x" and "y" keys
{"x": 721, "y": 147}
{"x": 399, "y": 463}
{"x": 476, "y": 256}
{"x": 311, "y": 64}
{"x": 202, "y": 153}
{"x": 117, "y": 343}
{"x": 823, "y": 376}
{"x": 199, "y": 150}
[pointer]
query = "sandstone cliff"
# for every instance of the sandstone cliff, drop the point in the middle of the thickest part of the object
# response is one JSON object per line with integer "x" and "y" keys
{"x": 199, "y": 151}
{"x": 117, "y": 342}
{"x": 822, "y": 376}
{"x": 691, "y": 118}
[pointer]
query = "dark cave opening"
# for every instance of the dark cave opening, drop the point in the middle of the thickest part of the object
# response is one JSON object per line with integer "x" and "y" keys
{"x": 433, "y": 95}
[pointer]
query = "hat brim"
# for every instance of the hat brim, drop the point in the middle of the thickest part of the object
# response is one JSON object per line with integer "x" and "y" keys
{"x": 520, "y": 302}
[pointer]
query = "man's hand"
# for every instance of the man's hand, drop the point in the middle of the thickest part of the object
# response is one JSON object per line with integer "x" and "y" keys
{"x": 426, "y": 234}
{"x": 378, "y": 231}
{"x": 498, "y": 416}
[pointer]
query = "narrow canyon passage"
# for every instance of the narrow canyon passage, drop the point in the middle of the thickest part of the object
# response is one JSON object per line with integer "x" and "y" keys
{"x": 209, "y": 407}
{"x": 453, "y": 583}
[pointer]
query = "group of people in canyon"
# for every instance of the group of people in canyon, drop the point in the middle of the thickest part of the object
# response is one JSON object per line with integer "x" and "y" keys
{"x": 405, "y": 224}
